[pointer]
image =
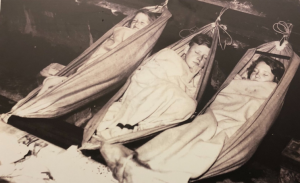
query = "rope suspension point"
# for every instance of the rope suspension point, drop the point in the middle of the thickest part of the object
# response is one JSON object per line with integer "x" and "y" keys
{"x": 283, "y": 28}
{"x": 165, "y": 3}
{"x": 223, "y": 27}
{"x": 216, "y": 23}
{"x": 221, "y": 13}
{"x": 162, "y": 4}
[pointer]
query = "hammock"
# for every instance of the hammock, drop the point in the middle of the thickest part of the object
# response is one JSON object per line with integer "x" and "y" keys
{"x": 179, "y": 47}
{"x": 242, "y": 145}
{"x": 109, "y": 72}
{"x": 185, "y": 152}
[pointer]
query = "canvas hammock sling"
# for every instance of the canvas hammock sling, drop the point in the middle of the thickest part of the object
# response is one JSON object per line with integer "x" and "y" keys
{"x": 238, "y": 149}
{"x": 183, "y": 152}
{"x": 179, "y": 47}
{"x": 108, "y": 72}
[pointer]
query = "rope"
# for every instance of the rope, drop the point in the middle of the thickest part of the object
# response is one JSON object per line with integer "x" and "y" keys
{"x": 224, "y": 28}
{"x": 191, "y": 31}
{"x": 221, "y": 13}
{"x": 283, "y": 28}
{"x": 215, "y": 24}
{"x": 165, "y": 3}
{"x": 162, "y": 4}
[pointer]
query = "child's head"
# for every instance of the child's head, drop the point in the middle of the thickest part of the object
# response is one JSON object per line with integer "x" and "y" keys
{"x": 266, "y": 69}
{"x": 198, "y": 50}
{"x": 201, "y": 39}
{"x": 141, "y": 19}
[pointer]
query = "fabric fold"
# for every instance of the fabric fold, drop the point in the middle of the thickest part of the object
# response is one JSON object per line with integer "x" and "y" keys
{"x": 100, "y": 74}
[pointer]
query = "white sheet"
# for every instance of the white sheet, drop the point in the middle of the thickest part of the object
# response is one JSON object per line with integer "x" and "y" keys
{"x": 160, "y": 93}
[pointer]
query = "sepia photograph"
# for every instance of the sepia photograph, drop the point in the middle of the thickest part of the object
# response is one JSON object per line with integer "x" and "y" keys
{"x": 149, "y": 91}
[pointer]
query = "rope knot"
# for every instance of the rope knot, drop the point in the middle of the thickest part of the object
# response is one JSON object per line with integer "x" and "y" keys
{"x": 221, "y": 13}
{"x": 215, "y": 26}
{"x": 283, "y": 28}
{"x": 224, "y": 27}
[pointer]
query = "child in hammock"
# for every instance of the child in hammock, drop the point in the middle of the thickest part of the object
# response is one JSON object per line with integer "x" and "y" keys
{"x": 141, "y": 19}
{"x": 161, "y": 92}
{"x": 236, "y": 103}
{"x": 177, "y": 147}
{"x": 264, "y": 69}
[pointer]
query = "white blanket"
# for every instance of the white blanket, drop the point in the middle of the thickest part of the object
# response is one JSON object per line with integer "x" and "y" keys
{"x": 160, "y": 93}
{"x": 238, "y": 102}
{"x": 191, "y": 149}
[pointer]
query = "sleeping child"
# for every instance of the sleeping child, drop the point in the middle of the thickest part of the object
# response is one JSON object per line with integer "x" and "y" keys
{"x": 141, "y": 19}
{"x": 243, "y": 96}
{"x": 189, "y": 150}
{"x": 264, "y": 69}
{"x": 161, "y": 92}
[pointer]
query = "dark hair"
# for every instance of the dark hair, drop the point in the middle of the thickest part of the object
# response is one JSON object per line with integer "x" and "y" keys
{"x": 151, "y": 16}
{"x": 201, "y": 39}
{"x": 277, "y": 67}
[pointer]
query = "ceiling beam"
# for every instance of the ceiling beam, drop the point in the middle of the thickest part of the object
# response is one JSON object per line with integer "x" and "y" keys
{"x": 245, "y": 7}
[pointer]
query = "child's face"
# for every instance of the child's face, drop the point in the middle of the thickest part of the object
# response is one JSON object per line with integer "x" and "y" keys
{"x": 262, "y": 72}
{"x": 197, "y": 55}
{"x": 139, "y": 21}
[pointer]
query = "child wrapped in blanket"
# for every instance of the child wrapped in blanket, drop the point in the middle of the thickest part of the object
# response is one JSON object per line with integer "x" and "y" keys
{"x": 141, "y": 19}
{"x": 189, "y": 150}
{"x": 244, "y": 95}
{"x": 162, "y": 92}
